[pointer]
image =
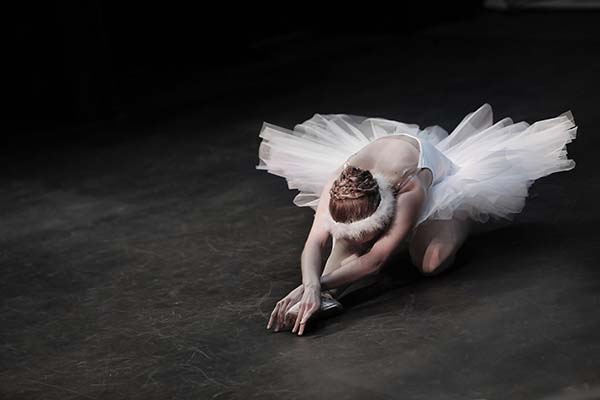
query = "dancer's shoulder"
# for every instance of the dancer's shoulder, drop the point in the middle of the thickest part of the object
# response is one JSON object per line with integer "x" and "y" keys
{"x": 413, "y": 189}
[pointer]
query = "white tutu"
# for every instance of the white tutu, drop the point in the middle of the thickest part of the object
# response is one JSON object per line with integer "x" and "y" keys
{"x": 497, "y": 162}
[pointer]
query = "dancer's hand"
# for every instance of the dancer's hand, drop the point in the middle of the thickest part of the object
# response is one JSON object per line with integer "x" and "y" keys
{"x": 310, "y": 303}
{"x": 282, "y": 306}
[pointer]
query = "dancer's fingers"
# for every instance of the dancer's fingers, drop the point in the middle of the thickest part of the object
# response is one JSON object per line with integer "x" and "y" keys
{"x": 282, "y": 310}
{"x": 287, "y": 321}
{"x": 301, "y": 331}
{"x": 273, "y": 316}
{"x": 305, "y": 318}
{"x": 290, "y": 321}
{"x": 277, "y": 319}
{"x": 288, "y": 306}
{"x": 288, "y": 317}
{"x": 299, "y": 317}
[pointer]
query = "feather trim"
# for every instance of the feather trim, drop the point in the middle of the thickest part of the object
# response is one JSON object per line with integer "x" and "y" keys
{"x": 376, "y": 221}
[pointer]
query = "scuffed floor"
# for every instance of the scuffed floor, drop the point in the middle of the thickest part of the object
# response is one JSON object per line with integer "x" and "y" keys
{"x": 146, "y": 268}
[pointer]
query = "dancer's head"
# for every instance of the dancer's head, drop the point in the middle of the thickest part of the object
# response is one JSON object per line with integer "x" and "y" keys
{"x": 354, "y": 195}
{"x": 360, "y": 204}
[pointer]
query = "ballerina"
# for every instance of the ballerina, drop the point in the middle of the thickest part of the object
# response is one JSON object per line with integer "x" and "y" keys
{"x": 379, "y": 187}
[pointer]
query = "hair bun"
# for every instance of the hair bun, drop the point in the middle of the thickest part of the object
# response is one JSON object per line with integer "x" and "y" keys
{"x": 353, "y": 183}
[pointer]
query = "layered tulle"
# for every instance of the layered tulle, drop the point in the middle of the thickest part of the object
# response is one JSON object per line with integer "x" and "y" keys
{"x": 497, "y": 162}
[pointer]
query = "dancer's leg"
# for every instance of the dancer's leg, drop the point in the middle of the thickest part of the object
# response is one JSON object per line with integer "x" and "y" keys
{"x": 435, "y": 243}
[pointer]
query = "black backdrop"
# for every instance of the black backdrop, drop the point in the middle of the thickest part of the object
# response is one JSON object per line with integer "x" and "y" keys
{"x": 79, "y": 63}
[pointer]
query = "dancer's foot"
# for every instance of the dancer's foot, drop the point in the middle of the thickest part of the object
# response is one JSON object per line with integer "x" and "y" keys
{"x": 329, "y": 305}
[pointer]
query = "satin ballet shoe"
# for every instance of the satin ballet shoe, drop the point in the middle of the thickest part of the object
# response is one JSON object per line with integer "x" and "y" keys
{"x": 329, "y": 306}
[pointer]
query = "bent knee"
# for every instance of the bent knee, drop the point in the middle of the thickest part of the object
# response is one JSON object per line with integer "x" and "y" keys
{"x": 436, "y": 259}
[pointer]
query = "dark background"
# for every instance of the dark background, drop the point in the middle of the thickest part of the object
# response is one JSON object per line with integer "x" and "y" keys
{"x": 141, "y": 253}
{"x": 80, "y": 63}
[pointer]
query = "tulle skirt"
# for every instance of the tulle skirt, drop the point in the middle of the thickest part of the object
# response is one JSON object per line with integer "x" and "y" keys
{"x": 497, "y": 162}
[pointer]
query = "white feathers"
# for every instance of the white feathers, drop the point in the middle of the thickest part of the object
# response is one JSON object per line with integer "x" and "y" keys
{"x": 376, "y": 221}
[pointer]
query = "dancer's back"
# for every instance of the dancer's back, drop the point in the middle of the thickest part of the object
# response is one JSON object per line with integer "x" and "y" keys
{"x": 396, "y": 157}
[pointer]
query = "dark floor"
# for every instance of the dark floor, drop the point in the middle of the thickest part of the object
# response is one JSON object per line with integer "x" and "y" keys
{"x": 146, "y": 267}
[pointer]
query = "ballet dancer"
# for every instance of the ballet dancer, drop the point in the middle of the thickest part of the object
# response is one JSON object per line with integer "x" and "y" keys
{"x": 379, "y": 187}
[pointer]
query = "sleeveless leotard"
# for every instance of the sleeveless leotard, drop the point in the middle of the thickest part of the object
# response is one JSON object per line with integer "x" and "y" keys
{"x": 433, "y": 159}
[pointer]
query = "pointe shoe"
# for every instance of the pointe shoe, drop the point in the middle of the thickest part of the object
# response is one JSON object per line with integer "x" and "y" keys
{"x": 329, "y": 305}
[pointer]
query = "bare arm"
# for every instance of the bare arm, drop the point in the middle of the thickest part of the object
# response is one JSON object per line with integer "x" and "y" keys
{"x": 350, "y": 272}
{"x": 311, "y": 260}
{"x": 408, "y": 206}
{"x": 341, "y": 253}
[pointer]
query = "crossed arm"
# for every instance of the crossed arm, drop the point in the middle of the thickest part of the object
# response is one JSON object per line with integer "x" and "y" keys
{"x": 408, "y": 205}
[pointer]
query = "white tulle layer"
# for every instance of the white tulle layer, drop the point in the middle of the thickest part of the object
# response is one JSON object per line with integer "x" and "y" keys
{"x": 497, "y": 162}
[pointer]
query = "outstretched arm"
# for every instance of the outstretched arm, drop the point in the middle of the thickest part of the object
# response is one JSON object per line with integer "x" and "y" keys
{"x": 311, "y": 259}
{"x": 408, "y": 206}
{"x": 308, "y": 293}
